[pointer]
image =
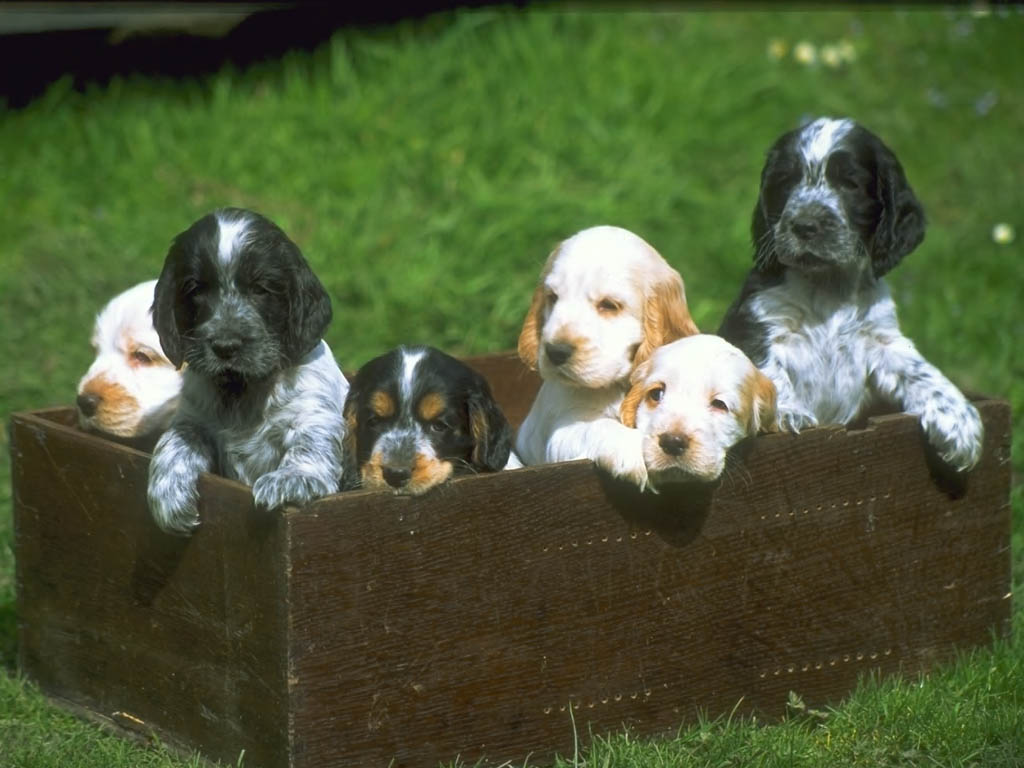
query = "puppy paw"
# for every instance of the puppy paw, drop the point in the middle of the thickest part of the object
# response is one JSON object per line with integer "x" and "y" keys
{"x": 282, "y": 486}
{"x": 173, "y": 500}
{"x": 627, "y": 463}
{"x": 955, "y": 429}
{"x": 793, "y": 418}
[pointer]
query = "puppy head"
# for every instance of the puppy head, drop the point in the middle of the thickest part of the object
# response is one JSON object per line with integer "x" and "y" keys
{"x": 693, "y": 400}
{"x": 131, "y": 389}
{"x": 416, "y": 416}
{"x": 604, "y": 301}
{"x": 236, "y": 300}
{"x": 834, "y": 202}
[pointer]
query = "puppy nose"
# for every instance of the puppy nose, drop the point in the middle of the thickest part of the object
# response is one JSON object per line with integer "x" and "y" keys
{"x": 559, "y": 352}
{"x": 225, "y": 348}
{"x": 672, "y": 444}
{"x": 396, "y": 477}
{"x": 804, "y": 226}
{"x": 87, "y": 404}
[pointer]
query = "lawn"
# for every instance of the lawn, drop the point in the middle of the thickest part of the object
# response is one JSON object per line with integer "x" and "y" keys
{"x": 427, "y": 168}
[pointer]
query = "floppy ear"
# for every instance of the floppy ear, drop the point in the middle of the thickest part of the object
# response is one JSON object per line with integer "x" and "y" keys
{"x": 529, "y": 336}
{"x": 765, "y": 259}
{"x": 901, "y": 225}
{"x": 349, "y": 446}
{"x": 763, "y": 399}
{"x": 666, "y": 316}
{"x": 165, "y": 306}
{"x": 631, "y": 402}
{"x": 492, "y": 434}
{"x": 309, "y": 309}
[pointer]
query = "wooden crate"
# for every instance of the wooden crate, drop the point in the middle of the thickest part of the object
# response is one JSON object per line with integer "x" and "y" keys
{"x": 493, "y": 616}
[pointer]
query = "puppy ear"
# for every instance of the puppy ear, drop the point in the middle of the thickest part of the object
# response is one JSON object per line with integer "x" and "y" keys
{"x": 529, "y": 336}
{"x": 309, "y": 309}
{"x": 492, "y": 434}
{"x": 901, "y": 225}
{"x": 349, "y": 446}
{"x": 631, "y": 402}
{"x": 763, "y": 400}
{"x": 666, "y": 316}
{"x": 166, "y": 298}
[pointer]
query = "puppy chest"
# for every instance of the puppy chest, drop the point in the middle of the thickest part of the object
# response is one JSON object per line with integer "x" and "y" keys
{"x": 828, "y": 366}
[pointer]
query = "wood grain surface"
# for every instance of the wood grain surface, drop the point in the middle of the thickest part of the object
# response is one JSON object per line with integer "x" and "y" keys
{"x": 495, "y": 615}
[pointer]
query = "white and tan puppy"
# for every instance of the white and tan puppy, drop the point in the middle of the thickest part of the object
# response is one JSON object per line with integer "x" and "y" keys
{"x": 131, "y": 389}
{"x": 691, "y": 402}
{"x": 605, "y": 300}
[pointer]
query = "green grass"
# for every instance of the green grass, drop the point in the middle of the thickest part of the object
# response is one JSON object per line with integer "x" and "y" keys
{"x": 426, "y": 170}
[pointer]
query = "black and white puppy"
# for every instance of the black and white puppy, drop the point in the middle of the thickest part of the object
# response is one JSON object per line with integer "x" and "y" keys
{"x": 415, "y": 416}
{"x": 261, "y": 399}
{"x": 834, "y": 215}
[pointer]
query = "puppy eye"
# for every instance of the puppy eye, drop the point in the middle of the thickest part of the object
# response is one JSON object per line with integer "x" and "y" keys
{"x": 551, "y": 297}
{"x": 608, "y": 306}
{"x": 437, "y": 426}
{"x": 142, "y": 357}
{"x": 719, "y": 405}
{"x": 655, "y": 395}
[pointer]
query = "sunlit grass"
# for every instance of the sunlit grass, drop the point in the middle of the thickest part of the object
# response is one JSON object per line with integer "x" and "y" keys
{"x": 426, "y": 170}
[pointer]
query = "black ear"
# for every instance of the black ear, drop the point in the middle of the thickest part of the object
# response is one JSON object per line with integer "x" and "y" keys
{"x": 309, "y": 310}
{"x": 901, "y": 224}
{"x": 165, "y": 302}
{"x": 492, "y": 434}
{"x": 765, "y": 259}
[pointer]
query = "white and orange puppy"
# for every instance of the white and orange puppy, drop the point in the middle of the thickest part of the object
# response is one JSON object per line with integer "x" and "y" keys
{"x": 691, "y": 402}
{"x": 131, "y": 389}
{"x": 605, "y": 300}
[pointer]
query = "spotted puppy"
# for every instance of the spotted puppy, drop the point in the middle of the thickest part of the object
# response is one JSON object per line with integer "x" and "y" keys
{"x": 262, "y": 394}
{"x": 605, "y": 301}
{"x": 834, "y": 215}
{"x": 416, "y": 416}
{"x": 131, "y": 389}
{"x": 692, "y": 401}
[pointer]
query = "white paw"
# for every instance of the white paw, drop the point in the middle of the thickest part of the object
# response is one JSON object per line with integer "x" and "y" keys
{"x": 280, "y": 487}
{"x": 792, "y": 418}
{"x": 627, "y": 463}
{"x": 956, "y": 432}
{"x": 173, "y": 499}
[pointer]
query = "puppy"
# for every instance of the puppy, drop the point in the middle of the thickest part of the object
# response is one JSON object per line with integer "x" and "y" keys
{"x": 692, "y": 401}
{"x": 131, "y": 389}
{"x": 262, "y": 395}
{"x": 605, "y": 300}
{"x": 834, "y": 215}
{"x": 415, "y": 416}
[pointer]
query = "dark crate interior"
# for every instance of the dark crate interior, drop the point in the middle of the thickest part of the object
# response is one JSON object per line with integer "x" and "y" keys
{"x": 491, "y": 617}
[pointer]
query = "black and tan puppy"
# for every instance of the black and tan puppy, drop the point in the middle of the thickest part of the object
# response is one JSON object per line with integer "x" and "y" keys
{"x": 416, "y": 416}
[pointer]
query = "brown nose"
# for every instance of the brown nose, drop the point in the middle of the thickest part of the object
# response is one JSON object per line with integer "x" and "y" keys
{"x": 672, "y": 444}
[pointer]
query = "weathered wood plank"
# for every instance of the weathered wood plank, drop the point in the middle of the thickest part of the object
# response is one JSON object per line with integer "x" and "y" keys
{"x": 368, "y": 628}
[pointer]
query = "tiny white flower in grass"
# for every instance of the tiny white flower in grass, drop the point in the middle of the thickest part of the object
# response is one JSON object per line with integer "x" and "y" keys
{"x": 830, "y": 56}
{"x": 1003, "y": 234}
{"x": 805, "y": 52}
{"x": 777, "y": 48}
{"x": 847, "y": 50}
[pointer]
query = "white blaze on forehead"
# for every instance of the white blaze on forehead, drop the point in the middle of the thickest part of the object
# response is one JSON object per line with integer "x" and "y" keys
{"x": 818, "y": 138}
{"x": 230, "y": 232}
{"x": 409, "y": 362}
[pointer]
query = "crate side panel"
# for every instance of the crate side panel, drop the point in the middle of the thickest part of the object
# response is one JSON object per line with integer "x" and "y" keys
{"x": 184, "y": 636}
{"x": 469, "y": 621}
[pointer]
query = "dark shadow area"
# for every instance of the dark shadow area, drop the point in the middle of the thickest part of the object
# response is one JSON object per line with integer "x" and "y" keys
{"x": 948, "y": 480}
{"x": 676, "y": 513}
{"x": 30, "y": 62}
{"x": 157, "y": 557}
